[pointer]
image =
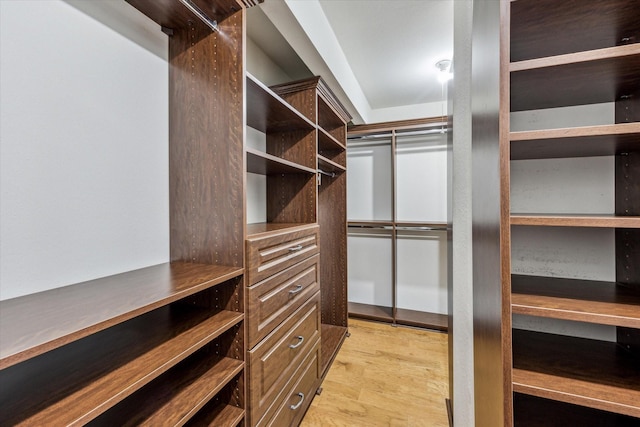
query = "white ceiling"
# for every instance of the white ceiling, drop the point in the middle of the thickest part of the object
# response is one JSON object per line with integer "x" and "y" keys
{"x": 377, "y": 55}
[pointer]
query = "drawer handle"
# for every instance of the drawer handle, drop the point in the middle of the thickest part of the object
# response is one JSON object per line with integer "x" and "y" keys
{"x": 295, "y": 248}
{"x": 296, "y": 290}
{"x": 300, "y": 341}
{"x": 297, "y": 405}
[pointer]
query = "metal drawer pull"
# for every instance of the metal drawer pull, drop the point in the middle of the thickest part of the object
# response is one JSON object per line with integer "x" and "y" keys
{"x": 300, "y": 341}
{"x": 295, "y": 248}
{"x": 297, "y": 405}
{"x": 296, "y": 290}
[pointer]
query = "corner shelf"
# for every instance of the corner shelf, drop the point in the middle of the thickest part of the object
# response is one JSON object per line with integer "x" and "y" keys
{"x": 571, "y": 220}
{"x": 267, "y": 112}
{"x": 605, "y": 140}
{"x": 605, "y": 303}
{"x": 48, "y": 320}
{"x": 596, "y": 374}
{"x": 266, "y": 164}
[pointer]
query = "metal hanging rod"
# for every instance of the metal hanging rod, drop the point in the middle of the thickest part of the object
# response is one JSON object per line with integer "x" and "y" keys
{"x": 329, "y": 174}
{"x": 422, "y": 228}
{"x": 211, "y": 23}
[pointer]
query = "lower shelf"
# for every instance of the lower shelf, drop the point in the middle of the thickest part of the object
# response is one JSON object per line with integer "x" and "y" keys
{"x": 371, "y": 312}
{"x": 591, "y": 373}
{"x": 532, "y": 411}
{"x": 332, "y": 338}
{"x": 420, "y": 319}
{"x": 221, "y": 415}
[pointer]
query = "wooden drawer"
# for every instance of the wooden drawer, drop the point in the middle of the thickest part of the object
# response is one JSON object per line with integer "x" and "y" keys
{"x": 272, "y": 252}
{"x": 274, "y": 361}
{"x": 274, "y": 299}
{"x": 298, "y": 394}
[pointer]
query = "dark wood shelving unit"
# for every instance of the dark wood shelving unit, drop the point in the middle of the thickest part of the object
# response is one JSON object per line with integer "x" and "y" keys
{"x": 107, "y": 366}
{"x": 569, "y": 220}
{"x": 219, "y": 415}
{"x": 254, "y": 230}
{"x": 327, "y": 142}
{"x": 556, "y": 54}
{"x": 48, "y": 320}
{"x": 606, "y": 303}
{"x": 604, "y": 140}
{"x": 267, "y": 164}
{"x": 595, "y": 374}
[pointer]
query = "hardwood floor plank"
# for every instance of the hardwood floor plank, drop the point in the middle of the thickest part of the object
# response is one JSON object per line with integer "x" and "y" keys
{"x": 385, "y": 376}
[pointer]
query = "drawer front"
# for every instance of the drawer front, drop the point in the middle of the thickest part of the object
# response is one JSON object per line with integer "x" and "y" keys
{"x": 275, "y": 252}
{"x": 276, "y": 298}
{"x": 298, "y": 397}
{"x": 273, "y": 362}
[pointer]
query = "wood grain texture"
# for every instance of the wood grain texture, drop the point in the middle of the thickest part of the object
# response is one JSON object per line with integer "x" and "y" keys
{"x": 178, "y": 396}
{"x": 384, "y": 376}
{"x": 292, "y": 198}
{"x": 547, "y": 28}
{"x": 205, "y": 129}
{"x": 575, "y": 142}
{"x": 270, "y": 253}
{"x": 327, "y": 165}
{"x": 264, "y": 229}
{"x": 76, "y": 383}
{"x": 37, "y": 323}
{"x": 274, "y": 362}
{"x": 569, "y": 220}
{"x": 596, "y": 374}
{"x": 332, "y": 338}
{"x": 537, "y": 412}
{"x": 384, "y": 127}
{"x": 370, "y": 312}
{"x": 591, "y": 301}
{"x": 421, "y": 319}
{"x": 225, "y": 409}
{"x": 273, "y": 300}
{"x": 295, "y": 146}
{"x": 575, "y": 79}
{"x": 331, "y": 148}
{"x": 175, "y": 15}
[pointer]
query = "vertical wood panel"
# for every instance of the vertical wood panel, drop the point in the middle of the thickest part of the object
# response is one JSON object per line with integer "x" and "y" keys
{"x": 205, "y": 143}
{"x": 490, "y": 224}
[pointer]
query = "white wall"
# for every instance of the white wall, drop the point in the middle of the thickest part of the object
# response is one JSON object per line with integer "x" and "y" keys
{"x": 84, "y": 145}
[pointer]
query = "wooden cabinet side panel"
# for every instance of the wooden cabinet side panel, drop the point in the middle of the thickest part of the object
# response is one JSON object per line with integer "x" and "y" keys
{"x": 205, "y": 143}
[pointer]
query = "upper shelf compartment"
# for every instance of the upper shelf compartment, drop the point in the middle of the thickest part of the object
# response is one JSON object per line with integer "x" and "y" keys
{"x": 267, "y": 112}
{"x": 575, "y": 79}
{"x": 541, "y": 28}
{"x": 175, "y": 14}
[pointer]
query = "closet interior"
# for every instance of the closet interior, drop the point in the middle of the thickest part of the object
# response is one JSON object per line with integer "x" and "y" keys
{"x": 397, "y": 222}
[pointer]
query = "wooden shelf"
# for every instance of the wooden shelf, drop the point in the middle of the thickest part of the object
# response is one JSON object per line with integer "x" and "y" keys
{"x": 254, "y": 230}
{"x": 267, "y": 112}
{"x": 585, "y": 141}
{"x": 267, "y": 164}
{"x": 77, "y": 383}
{"x": 371, "y": 312}
{"x": 580, "y": 300}
{"x": 542, "y": 28}
{"x": 372, "y": 223}
{"x": 533, "y": 411}
{"x": 420, "y": 319}
{"x": 575, "y": 79}
{"x": 596, "y": 374}
{"x": 570, "y": 220}
{"x": 327, "y": 142}
{"x": 222, "y": 415}
{"x": 180, "y": 394}
{"x": 37, "y": 323}
{"x": 332, "y": 338}
{"x": 329, "y": 166}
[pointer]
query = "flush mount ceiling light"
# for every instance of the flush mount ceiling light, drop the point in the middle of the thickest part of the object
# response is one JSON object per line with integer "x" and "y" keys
{"x": 444, "y": 70}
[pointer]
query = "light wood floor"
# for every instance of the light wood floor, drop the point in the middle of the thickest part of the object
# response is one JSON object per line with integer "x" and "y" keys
{"x": 385, "y": 376}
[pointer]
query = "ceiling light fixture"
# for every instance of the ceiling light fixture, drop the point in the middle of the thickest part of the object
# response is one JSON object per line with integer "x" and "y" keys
{"x": 444, "y": 70}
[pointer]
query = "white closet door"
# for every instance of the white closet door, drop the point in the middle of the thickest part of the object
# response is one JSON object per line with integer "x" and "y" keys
{"x": 421, "y": 178}
{"x": 369, "y": 181}
{"x": 369, "y": 266}
{"x": 422, "y": 271}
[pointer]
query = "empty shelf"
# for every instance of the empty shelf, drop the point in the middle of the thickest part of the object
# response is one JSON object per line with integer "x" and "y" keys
{"x": 570, "y": 220}
{"x": 267, "y": 164}
{"x": 327, "y": 165}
